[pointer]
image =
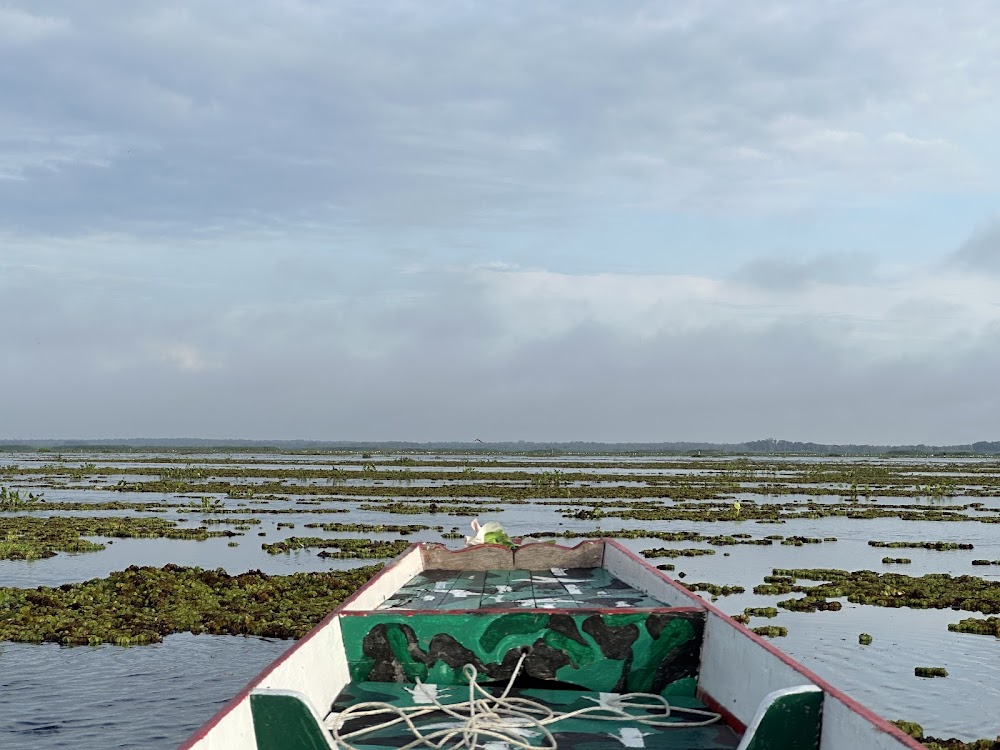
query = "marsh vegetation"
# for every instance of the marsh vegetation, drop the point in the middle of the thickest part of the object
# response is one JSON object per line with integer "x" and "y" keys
{"x": 265, "y": 543}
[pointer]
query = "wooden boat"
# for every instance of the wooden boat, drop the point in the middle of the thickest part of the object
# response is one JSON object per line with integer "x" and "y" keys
{"x": 570, "y": 629}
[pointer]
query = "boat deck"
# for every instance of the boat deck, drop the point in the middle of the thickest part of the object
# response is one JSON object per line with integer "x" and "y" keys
{"x": 579, "y": 733}
{"x": 593, "y": 588}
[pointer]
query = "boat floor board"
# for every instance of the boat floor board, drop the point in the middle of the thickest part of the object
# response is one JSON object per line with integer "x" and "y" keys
{"x": 561, "y": 588}
{"x": 576, "y": 733}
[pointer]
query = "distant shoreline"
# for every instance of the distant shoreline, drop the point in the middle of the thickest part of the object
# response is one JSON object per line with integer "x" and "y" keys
{"x": 755, "y": 447}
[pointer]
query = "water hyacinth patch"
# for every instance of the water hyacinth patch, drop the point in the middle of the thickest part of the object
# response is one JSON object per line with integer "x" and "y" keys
{"x": 143, "y": 604}
{"x": 33, "y": 538}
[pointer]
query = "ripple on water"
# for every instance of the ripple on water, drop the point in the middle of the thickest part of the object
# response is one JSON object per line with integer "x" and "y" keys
{"x": 90, "y": 697}
{"x": 966, "y": 704}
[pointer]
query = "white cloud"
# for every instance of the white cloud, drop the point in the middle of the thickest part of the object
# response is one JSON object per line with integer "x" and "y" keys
{"x": 913, "y": 314}
{"x": 25, "y": 150}
{"x": 184, "y": 357}
{"x": 19, "y": 27}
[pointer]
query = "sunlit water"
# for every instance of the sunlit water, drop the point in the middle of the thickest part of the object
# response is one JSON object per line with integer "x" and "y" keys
{"x": 154, "y": 696}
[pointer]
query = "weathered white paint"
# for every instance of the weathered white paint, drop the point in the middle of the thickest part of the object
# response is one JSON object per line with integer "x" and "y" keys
{"x": 630, "y": 737}
{"x": 631, "y": 570}
{"x": 233, "y": 732}
{"x": 318, "y": 669}
{"x": 765, "y": 704}
{"x": 844, "y": 728}
{"x": 738, "y": 672}
{"x": 388, "y": 582}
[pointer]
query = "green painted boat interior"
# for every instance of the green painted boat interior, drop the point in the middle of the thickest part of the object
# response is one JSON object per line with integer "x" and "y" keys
{"x": 562, "y": 588}
{"x": 578, "y": 733}
{"x": 284, "y": 722}
{"x": 793, "y": 721}
{"x": 638, "y": 651}
{"x": 580, "y": 636}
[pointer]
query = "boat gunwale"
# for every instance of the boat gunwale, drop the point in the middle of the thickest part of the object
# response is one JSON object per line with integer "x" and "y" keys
{"x": 879, "y": 722}
{"x": 698, "y": 603}
{"x": 244, "y": 694}
{"x": 341, "y": 609}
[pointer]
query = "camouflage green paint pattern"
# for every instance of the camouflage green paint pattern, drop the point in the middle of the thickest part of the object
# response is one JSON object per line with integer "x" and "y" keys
{"x": 654, "y": 652}
{"x": 577, "y": 733}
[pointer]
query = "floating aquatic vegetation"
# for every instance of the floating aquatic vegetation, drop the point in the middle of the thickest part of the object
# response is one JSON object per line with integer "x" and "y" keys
{"x": 930, "y": 672}
{"x": 931, "y": 591}
{"x": 911, "y": 728}
{"x": 340, "y": 548}
{"x": 986, "y": 562}
{"x": 936, "y": 743}
{"x": 771, "y": 631}
{"x": 666, "y": 536}
{"x": 671, "y": 552}
{"x": 810, "y": 604}
{"x": 714, "y": 588}
{"x": 900, "y": 561}
{"x": 33, "y": 538}
{"x": 779, "y": 579}
{"x": 774, "y": 512}
{"x": 981, "y": 626}
{"x": 941, "y": 546}
{"x": 760, "y": 612}
{"x": 207, "y": 504}
{"x": 15, "y": 500}
{"x": 369, "y": 528}
{"x": 767, "y": 589}
{"x": 145, "y": 604}
{"x": 414, "y": 509}
{"x": 798, "y": 541}
{"x": 865, "y": 639}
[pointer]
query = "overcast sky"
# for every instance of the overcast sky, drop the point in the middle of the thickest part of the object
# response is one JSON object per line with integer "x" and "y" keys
{"x": 500, "y": 220}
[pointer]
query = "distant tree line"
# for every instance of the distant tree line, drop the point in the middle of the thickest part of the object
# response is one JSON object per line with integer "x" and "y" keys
{"x": 754, "y": 447}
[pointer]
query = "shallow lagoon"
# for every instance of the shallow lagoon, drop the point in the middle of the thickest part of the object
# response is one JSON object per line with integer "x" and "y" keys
{"x": 154, "y": 696}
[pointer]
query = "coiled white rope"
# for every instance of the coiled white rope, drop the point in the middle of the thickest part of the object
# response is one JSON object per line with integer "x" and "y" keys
{"x": 502, "y": 718}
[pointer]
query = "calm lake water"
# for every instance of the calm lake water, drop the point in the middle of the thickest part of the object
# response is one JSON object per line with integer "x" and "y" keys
{"x": 94, "y": 698}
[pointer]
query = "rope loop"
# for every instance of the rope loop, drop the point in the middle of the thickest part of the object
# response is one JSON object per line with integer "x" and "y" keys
{"x": 485, "y": 717}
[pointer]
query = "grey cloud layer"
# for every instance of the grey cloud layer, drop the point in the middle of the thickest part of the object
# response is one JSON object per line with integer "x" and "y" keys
{"x": 500, "y": 352}
{"x": 981, "y": 252}
{"x": 194, "y": 117}
{"x": 587, "y": 383}
{"x": 222, "y": 219}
